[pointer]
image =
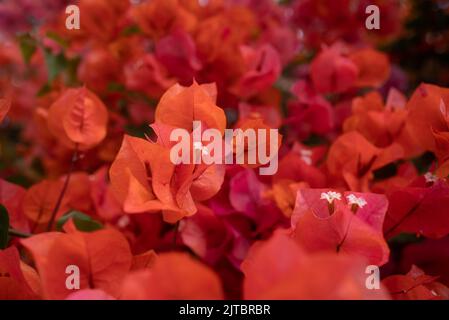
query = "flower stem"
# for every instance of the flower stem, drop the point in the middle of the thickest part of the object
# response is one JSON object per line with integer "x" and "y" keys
{"x": 64, "y": 189}
{"x": 17, "y": 233}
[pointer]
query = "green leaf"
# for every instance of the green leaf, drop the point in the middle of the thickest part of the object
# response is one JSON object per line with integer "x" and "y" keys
{"x": 403, "y": 239}
{"x": 55, "y": 64}
{"x": 57, "y": 38}
{"x": 27, "y": 46}
{"x": 4, "y": 227}
{"x": 46, "y": 88}
{"x": 82, "y": 221}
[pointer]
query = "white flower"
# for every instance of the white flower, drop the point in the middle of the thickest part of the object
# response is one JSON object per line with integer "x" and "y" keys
{"x": 306, "y": 156}
{"x": 330, "y": 196}
{"x": 352, "y": 199}
{"x": 430, "y": 177}
{"x": 123, "y": 222}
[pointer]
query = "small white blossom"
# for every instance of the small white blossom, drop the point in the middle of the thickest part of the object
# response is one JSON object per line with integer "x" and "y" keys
{"x": 430, "y": 177}
{"x": 306, "y": 156}
{"x": 352, "y": 199}
{"x": 330, "y": 196}
{"x": 123, "y": 222}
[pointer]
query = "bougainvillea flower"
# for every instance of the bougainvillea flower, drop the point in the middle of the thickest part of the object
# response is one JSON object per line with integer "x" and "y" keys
{"x": 431, "y": 255}
{"x": 310, "y": 112}
{"x": 177, "y": 52}
{"x": 99, "y": 266}
{"x": 137, "y": 179}
{"x": 40, "y": 201}
{"x": 145, "y": 179}
{"x": 352, "y": 223}
{"x": 17, "y": 280}
{"x": 158, "y": 18}
{"x": 207, "y": 235}
{"x": 264, "y": 67}
{"x": 78, "y": 118}
{"x": 146, "y": 74}
{"x": 406, "y": 173}
{"x": 354, "y": 158}
{"x": 102, "y": 29}
{"x": 97, "y": 68}
{"x": 419, "y": 209}
{"x": 425, "y": 113}
{"x": 174, "y": 276}
{"x": 249, "y": 196}
{"x": 269, "y": 143}
{"x": 105, "y": 203}
{"x": 270, "y": 114}
{"x": 112, "y": 137}
{"x": 382, "y": 125}
{"x": 442, "y": 152}
{"x": 373, "y": 67}
{"x": 294, "y": 274}
{"x": 332, "y": 72}
{"x": 180, "y": 106}
{"x": 218, "y": 39}
{"x": 415, "y": 285}
{"x": 11, "y": 197}
{"x": 300, "y": 165}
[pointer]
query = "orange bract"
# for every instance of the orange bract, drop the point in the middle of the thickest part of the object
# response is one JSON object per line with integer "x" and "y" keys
{"x": 78, "y": 118}
{"x": 180, "y": 106}
{"x": 100, "y": 267}
{"x": 174, "y": 276}
{"x": 374, "y": 67}
{"x": 293, "y": 274}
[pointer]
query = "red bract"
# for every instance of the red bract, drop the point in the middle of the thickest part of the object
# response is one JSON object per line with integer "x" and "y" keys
{"x": 353, "y": 159}
{"x": 415, "y": 285}
{"x": 351, "y": 222}
{"x": 110, "y": 157}
{"x": 178, "y": 54}
{"x": 294, "y": 274}
{"x": 17, "y": 280}
{"x": 157, "y": 18}
{"x": 383, "y": 125}
{"x": 300, "y": 165}
{"x": 311, "y": 110}
{"x": 146, "y": 74}
{"x": 207, "y": 235}
{"x": 12, "y": 196}
{"x": 264, "y": 67}
{"x": 426, "y": 115}
{"x": 373, "y": 67}
{"x": 419, "y": 209}
{"x": 332, "y": 72}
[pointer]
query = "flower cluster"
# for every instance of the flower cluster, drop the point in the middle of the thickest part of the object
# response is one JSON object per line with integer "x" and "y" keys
{"x": 93, "y": 207}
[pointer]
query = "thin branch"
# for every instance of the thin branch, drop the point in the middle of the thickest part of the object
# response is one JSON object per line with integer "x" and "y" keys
{"x": 175, "y": 237}
{"x": 64, "y": 189}
{"x": 17, "y": 233}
